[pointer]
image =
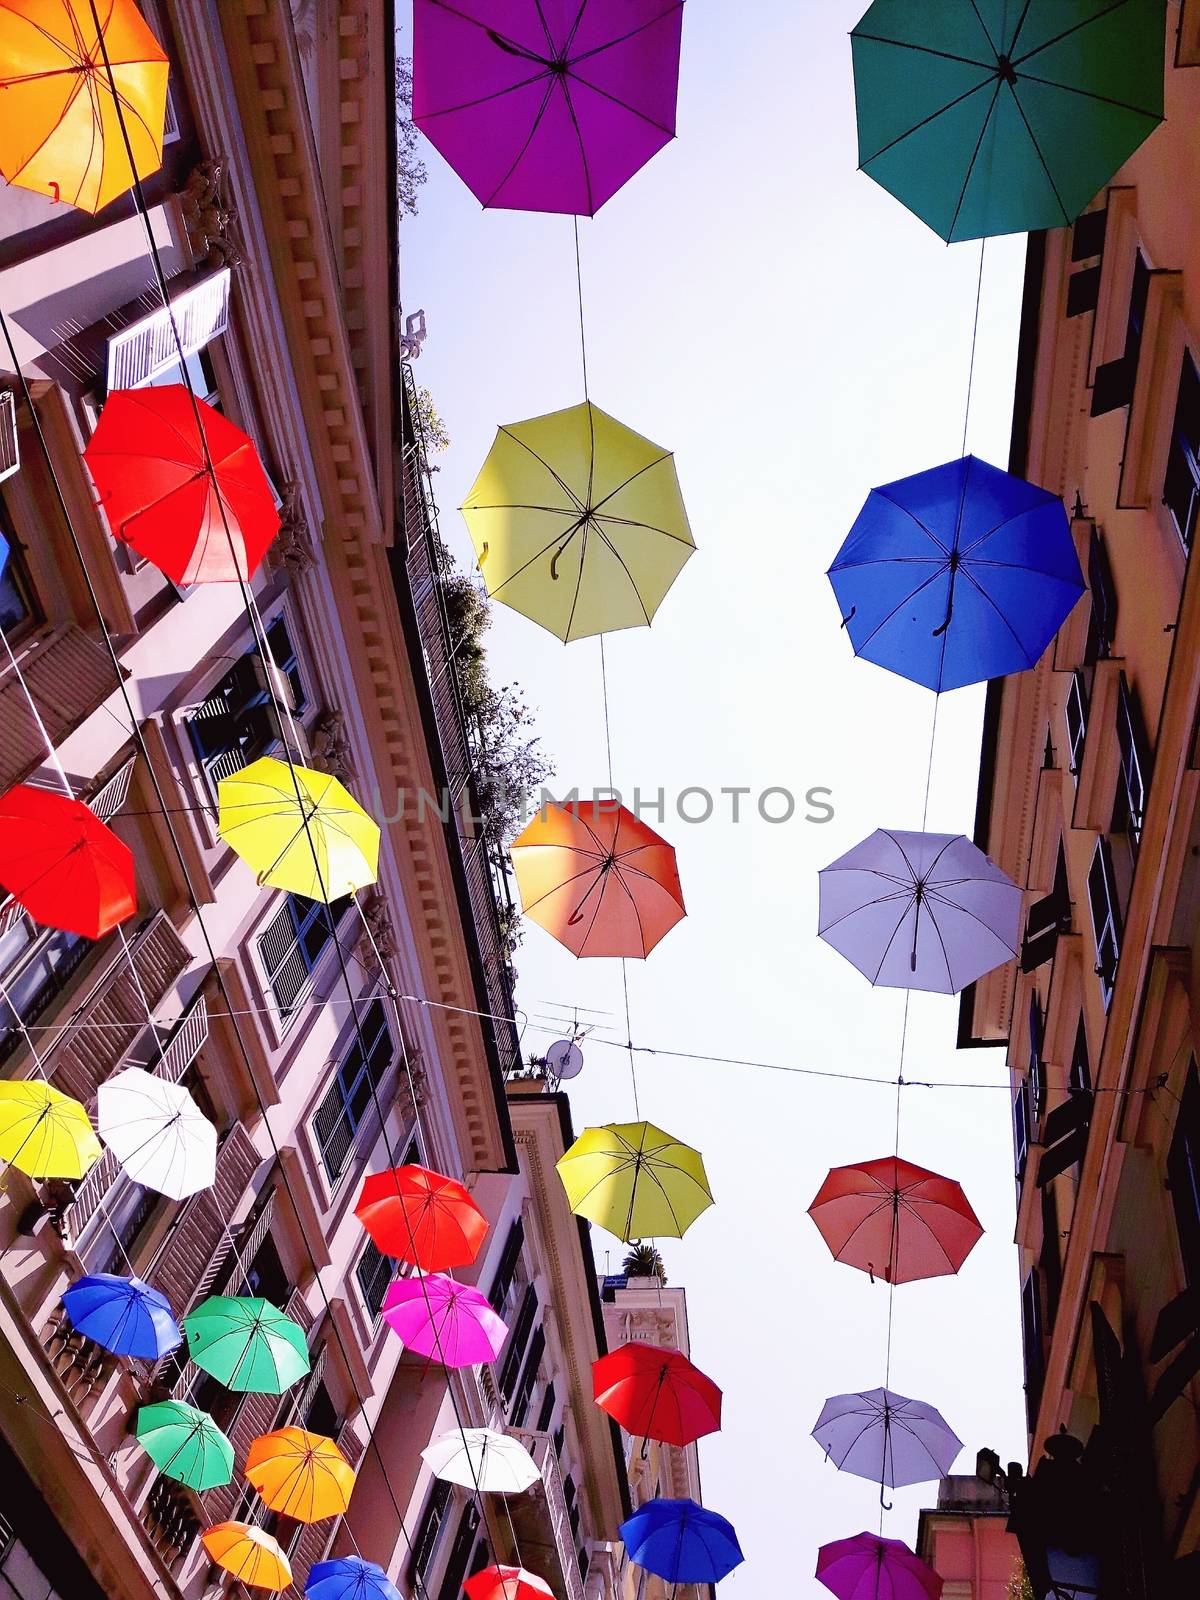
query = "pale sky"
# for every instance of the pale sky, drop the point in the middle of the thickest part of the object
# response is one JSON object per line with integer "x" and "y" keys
{"x": 764, "y": 310}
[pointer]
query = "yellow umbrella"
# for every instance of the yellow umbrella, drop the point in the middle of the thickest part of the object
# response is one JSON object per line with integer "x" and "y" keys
{"x": 319, "y": 843}
{"x": 299, "y": 1474}
{"x": 578, "y": 522}
{"x": 44, "y": 1133}
{"x": 635, "y": 1180}
{"x": 249, "y": 1553}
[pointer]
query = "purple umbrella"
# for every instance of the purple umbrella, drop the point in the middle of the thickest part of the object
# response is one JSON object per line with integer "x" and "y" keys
{"x": 546, "y": 105}
{"x": 447, "y": 1321}
{"x": 867, "y": 1568}
{"x": 887, "y": 1438}
{"x": 919, "y": 910}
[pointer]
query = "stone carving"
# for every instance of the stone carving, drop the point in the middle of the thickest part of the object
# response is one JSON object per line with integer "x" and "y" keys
{"x": 209, "y": 222}
{"x": 413, "y": 336}
{"x": 293, "y": 545}
{"x": 331, "y": 746}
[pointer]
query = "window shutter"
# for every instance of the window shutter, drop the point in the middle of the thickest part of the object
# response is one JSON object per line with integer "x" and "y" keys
{"x": 10, "y": 449}
{"x": 1183, "y": 1176}
{"x": 508, "y": 1264}
{"x": 331, "y": 1124}
{"x": 460, "y": 1553}
{"x": 1087, "y": 236}
{"x": 1031, "y": 1337}
{"x": 1076, "y": 720}
{"x": 1083, "y": 291}
{"x": 1021, "y": 1128}
{"x": 147, "y": 347}
{"x": 1065, "y": 1136}
{"x": 67, "y": 675}
{"x": 1113, "y": 387}
{"x": 256, "y": 1414}
{"x": 1104, "y": 595}
{"x": 529, "y": 1374}
{"x": 426, "y": 1539}
{"x": 198, "y": 1245}
{"x": 1106, "y": 924}
{"x": 516, "y": 1342}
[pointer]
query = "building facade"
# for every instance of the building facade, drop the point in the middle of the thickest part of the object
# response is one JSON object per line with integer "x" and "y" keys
{"x": 965, "y": 1537}
{"x": 1090, "y": 799}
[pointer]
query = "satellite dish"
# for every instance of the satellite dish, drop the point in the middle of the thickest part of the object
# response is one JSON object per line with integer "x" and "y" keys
{"x": 564, "y": 1059}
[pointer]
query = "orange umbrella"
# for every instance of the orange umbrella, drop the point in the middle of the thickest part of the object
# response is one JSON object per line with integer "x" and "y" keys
{"x": 423, "y": 1217}
{"x": 249, "y": 1553}
{"x": 60, "y": 132}
{"x": 597, "y": 878}
{"x": 895, "y": 1220}
{"x": 299, "y": 1474}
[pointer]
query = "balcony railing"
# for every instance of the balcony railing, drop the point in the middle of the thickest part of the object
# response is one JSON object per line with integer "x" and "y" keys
{"x": 541, "y": 1448}
{"x": 67, "y": 675}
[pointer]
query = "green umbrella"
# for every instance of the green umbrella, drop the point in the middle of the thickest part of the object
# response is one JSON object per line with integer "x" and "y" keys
{"x": 997, "y": 116}
{"x": 185, "y": 1444}
{"x": 247, "y": 1344}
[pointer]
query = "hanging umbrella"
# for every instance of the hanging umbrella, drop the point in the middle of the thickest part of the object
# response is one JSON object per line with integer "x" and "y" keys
{"x": 151, "y": 466}
{"x": 597, "y": 878}
{"x": 43, "y": 1133}
{"x": 300, "y": 1474}
{"x": 885, "y": 1437}
{"x": 578, "y": 522}
{"x": 349, "y": 1578}
{"x": 421, "y": 1217}
{"x": 506, "y": 1583}
{"x": 919, "y": 910}
{"x": 246, "y": 1344}
{"x": 656, "y": 1393}
{"x": 319, "y": 843}
{"x": 895, "y": 1220}
{"x": 185, "y": 1444}
{"x": 59, "y": 861}
{"x": 681, "y": 1542}
{"x": 478, "y": 1458}
{"x": 957, "y": 574}
{"x": 635, "y": 1180}
{"x": 123, "y": 1315}
{"x": 871, "y": 1568}
{"x": 60, "y": 132}
{"x": 446, "y": 1321}
{"x": 157, "y": 1132}
{"x": 988, "y": 119}
{"x": 546, "y": 108}
{"x": 251, "y": 1555}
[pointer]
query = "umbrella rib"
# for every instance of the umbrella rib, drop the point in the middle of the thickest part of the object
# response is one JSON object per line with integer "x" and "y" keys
{"x": 33, "y": 154}
{"x": 1090, "y": 94}
{"x": 923, "y": 49}
{"x": 624, "y": 568}
{"x": 583, "y": 531}
{"x": 1038, "y": 151}
{"x": 933, "y": 115}
{"x": 1012, "y": 43}
{"x": 892, "y": 939}
{"x": 1066, "y": 33}
{"x": 610, "y": 44}
{"x": 966, "y": 911}
{"x": 942, "y": 943}
{"x": 923, "y": 1222}
{"x": 909, "y": 512}
{"x": 962, "y": 195}
{"x": 636, "y": 909}
{"x": 485, "y": 99}
{"x": 562, "y": 539}
{"x": 546, "y": 26}
{"x": 632, "y": 522}
{"x": 617, "y": 101}
{"x": 975, "y": 584}
{"x": 983, "y": 26}
{"x": 899, "y": 606}
{"x": 520, "y": 155}
{"x": 587, "y": 183}
{"x": 561, "y": 482}
{"x": 667, "y": 455}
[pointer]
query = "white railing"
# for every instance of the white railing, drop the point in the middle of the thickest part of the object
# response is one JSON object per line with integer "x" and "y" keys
{"x": 147, "y": 347}
{"x": 541, "y": 1448}
{"x": 10, "y": 449}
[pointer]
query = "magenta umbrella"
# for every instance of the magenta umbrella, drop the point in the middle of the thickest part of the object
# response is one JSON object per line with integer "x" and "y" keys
{"x": 867, "y": 1568}
{"x": 546, "y": 105}
{"x": 447, "y": 1321}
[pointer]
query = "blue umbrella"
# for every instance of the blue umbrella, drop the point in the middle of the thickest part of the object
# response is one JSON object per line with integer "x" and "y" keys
{"x": 681, "y": 1542}
{"x": 349, "y": 1578}
{"x": 124, "y": 1315}
{"x": 957, "y": 574}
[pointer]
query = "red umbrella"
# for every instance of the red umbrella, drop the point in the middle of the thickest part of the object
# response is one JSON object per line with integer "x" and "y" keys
{"x": 423, "y": 1217}
{"x": 59, "y": 861}
{"x": 895, "y": 1220}
{"x": 656, "y": 1394}
{"x": 148, "y": 460}
{"x": 507, "y": 1583}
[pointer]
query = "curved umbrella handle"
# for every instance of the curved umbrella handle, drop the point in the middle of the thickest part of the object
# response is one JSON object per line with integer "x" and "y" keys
{"x": 886, "y": 1504}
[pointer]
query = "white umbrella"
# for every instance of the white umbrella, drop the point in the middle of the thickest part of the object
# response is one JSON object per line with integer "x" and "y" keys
{"x": 158, "y": 1133}
{"x": 480, "y": 1458}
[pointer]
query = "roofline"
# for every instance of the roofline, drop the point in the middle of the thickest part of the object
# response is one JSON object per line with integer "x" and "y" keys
{"x": 1018, "y": 463}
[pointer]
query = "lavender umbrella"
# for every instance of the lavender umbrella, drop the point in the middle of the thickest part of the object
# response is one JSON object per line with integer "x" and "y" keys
{"x": 867, "y": 1568}
{"x": 919, "y": 910}
{"x": 885, "y": 1437}
{"x": 546, "y": 105}
{"x": 447, "y": 1321}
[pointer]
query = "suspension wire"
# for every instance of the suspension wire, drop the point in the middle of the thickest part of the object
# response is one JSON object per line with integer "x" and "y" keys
{"x": 974, "y": 340}
{"x": 582, "y": 335}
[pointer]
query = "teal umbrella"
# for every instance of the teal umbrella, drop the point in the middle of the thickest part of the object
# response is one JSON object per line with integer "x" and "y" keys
{"x": 185, "y": 1444}
{"x": 247, "y": 1344}
{"x": 998, "y": 116}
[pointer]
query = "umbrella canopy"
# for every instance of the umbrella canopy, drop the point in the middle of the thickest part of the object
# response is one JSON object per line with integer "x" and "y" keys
{"x": 157, "y": 1132}
{"x": 446, "y": 1321}
{"x": 251, "y": 1555}
{"x": 59, "y": 861}
{"x": 60, "y": 133}
{"x": 988, "y": 117}
{"x": 957, "y": 574}
{"x": 246, "y": 1344}
{"x": 123, "y": 1315}
{"x": 43, "y": 1133}
{"x": 150, "y": 463}
{"x": 546, "y": 107}
{"x": 597, "y": 878}
{"x": 507, "y": 1583}
{"x": 635, "y": 1180}
{"x": 421, "y": 1217}
{"x": 300, "y": 1474}
{"x": 919, "y": 910}
{"x": 869, "y": 1568}
{"x": 895, "y": 1220}
{"x": 319, "y": 843}
{"x": 480, "y": 1458}
{"x": 185, "y": 1444}
{"x": 656, "y": 1393}
{"x": 681, "y": 1542}
{"x": 887, "y": 1438}
{"x": 578, "y": 522}
{"x": 349, "y": 1578}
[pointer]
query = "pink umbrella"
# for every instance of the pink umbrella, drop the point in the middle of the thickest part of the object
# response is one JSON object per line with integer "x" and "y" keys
{"x": 446, "y": 1321}
{"x": 867, "y": 1568}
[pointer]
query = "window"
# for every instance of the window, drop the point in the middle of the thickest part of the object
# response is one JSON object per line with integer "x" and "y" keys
{"x": 195, "y": 372}
{"x": 35, "y": 964}
{"x": 1183, "y": 1175}
{"x": 374, "y": 1272}
{"x": 237, "y": 723}
{"x": 20, "y": 1576}
{"x": 1115, "y": 380}
{"x": 1080, "y": 1076}
{"x": 321, "y": 1414}
{"x": 460, "y": 1553}
{"x": 1065, "y": 1136}
{"x": 1037, "y": 1071}
{"x": 432, "y": 1521}
{"x": 1106, "y": 918}
{"x": 292, "y": 944}
{"x": 1181, "y": 485}
{"x": 546, "y": 1412}
{"x": 517, "y": 1340}
{"x": 146, "y": 347}
{"x": 265, "y": 1277}
{"x": 1102, "y": 630}
{"x": 1031, "y": 1339}
{"x": 584, "y": 1564}
{"x": 570, "y": 1495}
{"x": 1050, "y": 1256}
{"x": 352, "y": 1093}
{"x": 529, "y": 1374}
{"x": 1076, "y": 718}
{"x": 1048, "y": 918}
{"x": 1087, "y": 242}
{"x": 1021, "y": 1129}
{"x": 1130, "y": 810}
{"x": 16, "y": 602}
{"x": 506, "y": 1271}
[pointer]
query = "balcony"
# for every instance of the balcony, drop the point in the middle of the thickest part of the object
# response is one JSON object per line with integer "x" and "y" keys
{"x": 543, "y": 1526}
{"x": 67, "y": 675}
